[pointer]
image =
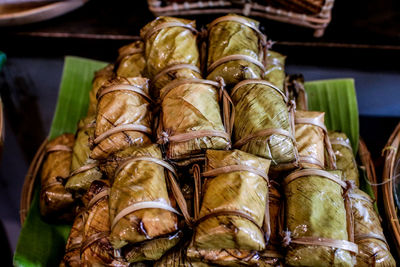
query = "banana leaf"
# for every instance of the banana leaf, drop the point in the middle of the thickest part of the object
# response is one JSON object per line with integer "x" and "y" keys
{"x": 72, "y": 255}
{"x": 170, "y": 46}
{"x": 187, "y": 108}
{"x": 373, "y": 249}
{"x": 79, "y": 181}
{"x": 131, "y": 62}
{"x": 101, "y": 76}
{"x": 72, "y": 105}
{"x": 310, "y": 140}
{"x": 98, "y": 251}
{"x": 122, "y": 108}
{"x": 259, "y": 107}
{"x": 337, "y": 98}
{"x": 227, "y": 197}
{"x": 275, "y": 70}
{"x": 152, "y": 249}
{"x": 229, "y": 38}
{"x": 55, "y": 202}
{"x": 315, "y": 208}
{"x": 345, "y": 160}
{"x": 140, "y": 181}
{"x": 177, "y": 258}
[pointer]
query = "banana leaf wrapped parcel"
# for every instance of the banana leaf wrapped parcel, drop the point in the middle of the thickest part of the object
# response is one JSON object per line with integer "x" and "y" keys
{"x": 178, "y": 258}
{"x": 123, "y": 116}
{"x": 171, "y": 51}
{"x": 294, "y": 88}
{"x": 131, "y": 62}
{"x": 263, "y": 124}
{"x": 312, "y": 140}
{"x": 368, "y": 233}
{"x": 190, "y": 120}
{"x": 141, "y": 208}
{"x": 96, "y": 249}
{"x": 72, "y": 257}
{"x": 275, "y": 69}
{"x": 233, "y": 219}
{"x": 55, "y": 201}
{"x": 84, "y": 170}
{"x": 345, "y": 160}
{"x": 318, "y": 219}
{"x": 100, "y": 77}
{"x": 235, "y": 49}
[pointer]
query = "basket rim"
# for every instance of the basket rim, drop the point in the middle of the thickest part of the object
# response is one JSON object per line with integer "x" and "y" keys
{"x": 316, "y": 21}
{"x": 387, "y": 188}
{"x": 29, "y": 182}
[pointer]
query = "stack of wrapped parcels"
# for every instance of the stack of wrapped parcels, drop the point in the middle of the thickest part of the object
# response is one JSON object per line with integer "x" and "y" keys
{"x": 193, "y": 154}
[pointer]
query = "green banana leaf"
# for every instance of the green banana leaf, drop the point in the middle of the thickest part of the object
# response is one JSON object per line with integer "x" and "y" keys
{"x": 41, "y": 243}
{"x": 337, "y": 98}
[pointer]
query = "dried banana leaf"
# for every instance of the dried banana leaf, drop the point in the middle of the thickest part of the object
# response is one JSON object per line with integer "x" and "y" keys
{"x": 259, "y": 107}
{"x": 275, "y": 70}
{"x": 345, "y": 160}
{"x": 140, "y": 181}
{"x": 84, "y": 170}
{"x": 236, "y": 193}
{"x": 177, "y": 258}
{"x": 152, "y": 249}
{"x": 368, "y": 233}
{"x": 99, "y": 79}
{"x": 234, "y": 257}
{"x": 232, "y": 36}
{"x": 310, "y": 138}
{"x": 273, "y": 252}
{"x": 131, "y": 61}
{"x": 118, "y": 109}
{"x": 189, "y": 108}
{"x": 72, "y": 255}
{"x": 96, "y": 249}
{"x": 315, "y": 208}
{"x": 294, "y": 87}
{"x": 167, "y": 46}
{"x": 55, "y": 201}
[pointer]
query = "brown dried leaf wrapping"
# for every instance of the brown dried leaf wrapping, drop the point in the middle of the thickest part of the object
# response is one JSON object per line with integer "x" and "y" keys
{"x": 141, "y": 181}
{"x": 131, "y": 61}
{"x": 55, "y": 201}
{"x": 72, "y": 257}
{"x": 371, "y": 251}
{"x": 188, "y": 108}
{"x": 310, "y": 139}
{"x": 122, "y": 108}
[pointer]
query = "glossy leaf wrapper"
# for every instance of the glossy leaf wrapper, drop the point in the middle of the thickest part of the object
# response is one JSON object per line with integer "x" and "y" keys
{"x": 153, "y": 249}
{"x": 131, "y": 62}
{"x": 98, "y": 251}
{"x": 237, "y": 191}
{"x": 55, "y": 201}
{"x": 141, "y": 181}
{"x": 178, "y": 258}
{"x": 72, "y": 257}
{"x": 192, "y": 107}
{"x": 315, "y": 208}
{"x": 275, "y": 69}
{"x": 118, "y": 108}
{"x": 168, "y": 47}
{"x": 294, "y": 88}
{"x": 99, "y": 79}
{"x": 310, "y": 139}
{"x": 345, "y": 160}
{"x": 368, "y": 233}
{"x": 79, "y": 182}
{"x": 259, "y": 107}
{"x": 229, "y": 38}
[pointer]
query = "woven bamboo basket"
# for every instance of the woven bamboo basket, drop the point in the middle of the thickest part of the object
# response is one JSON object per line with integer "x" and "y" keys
{"x": 34, "y": 168}
{"x": 318, "y": 21}
{"x": 391, "y": 171}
